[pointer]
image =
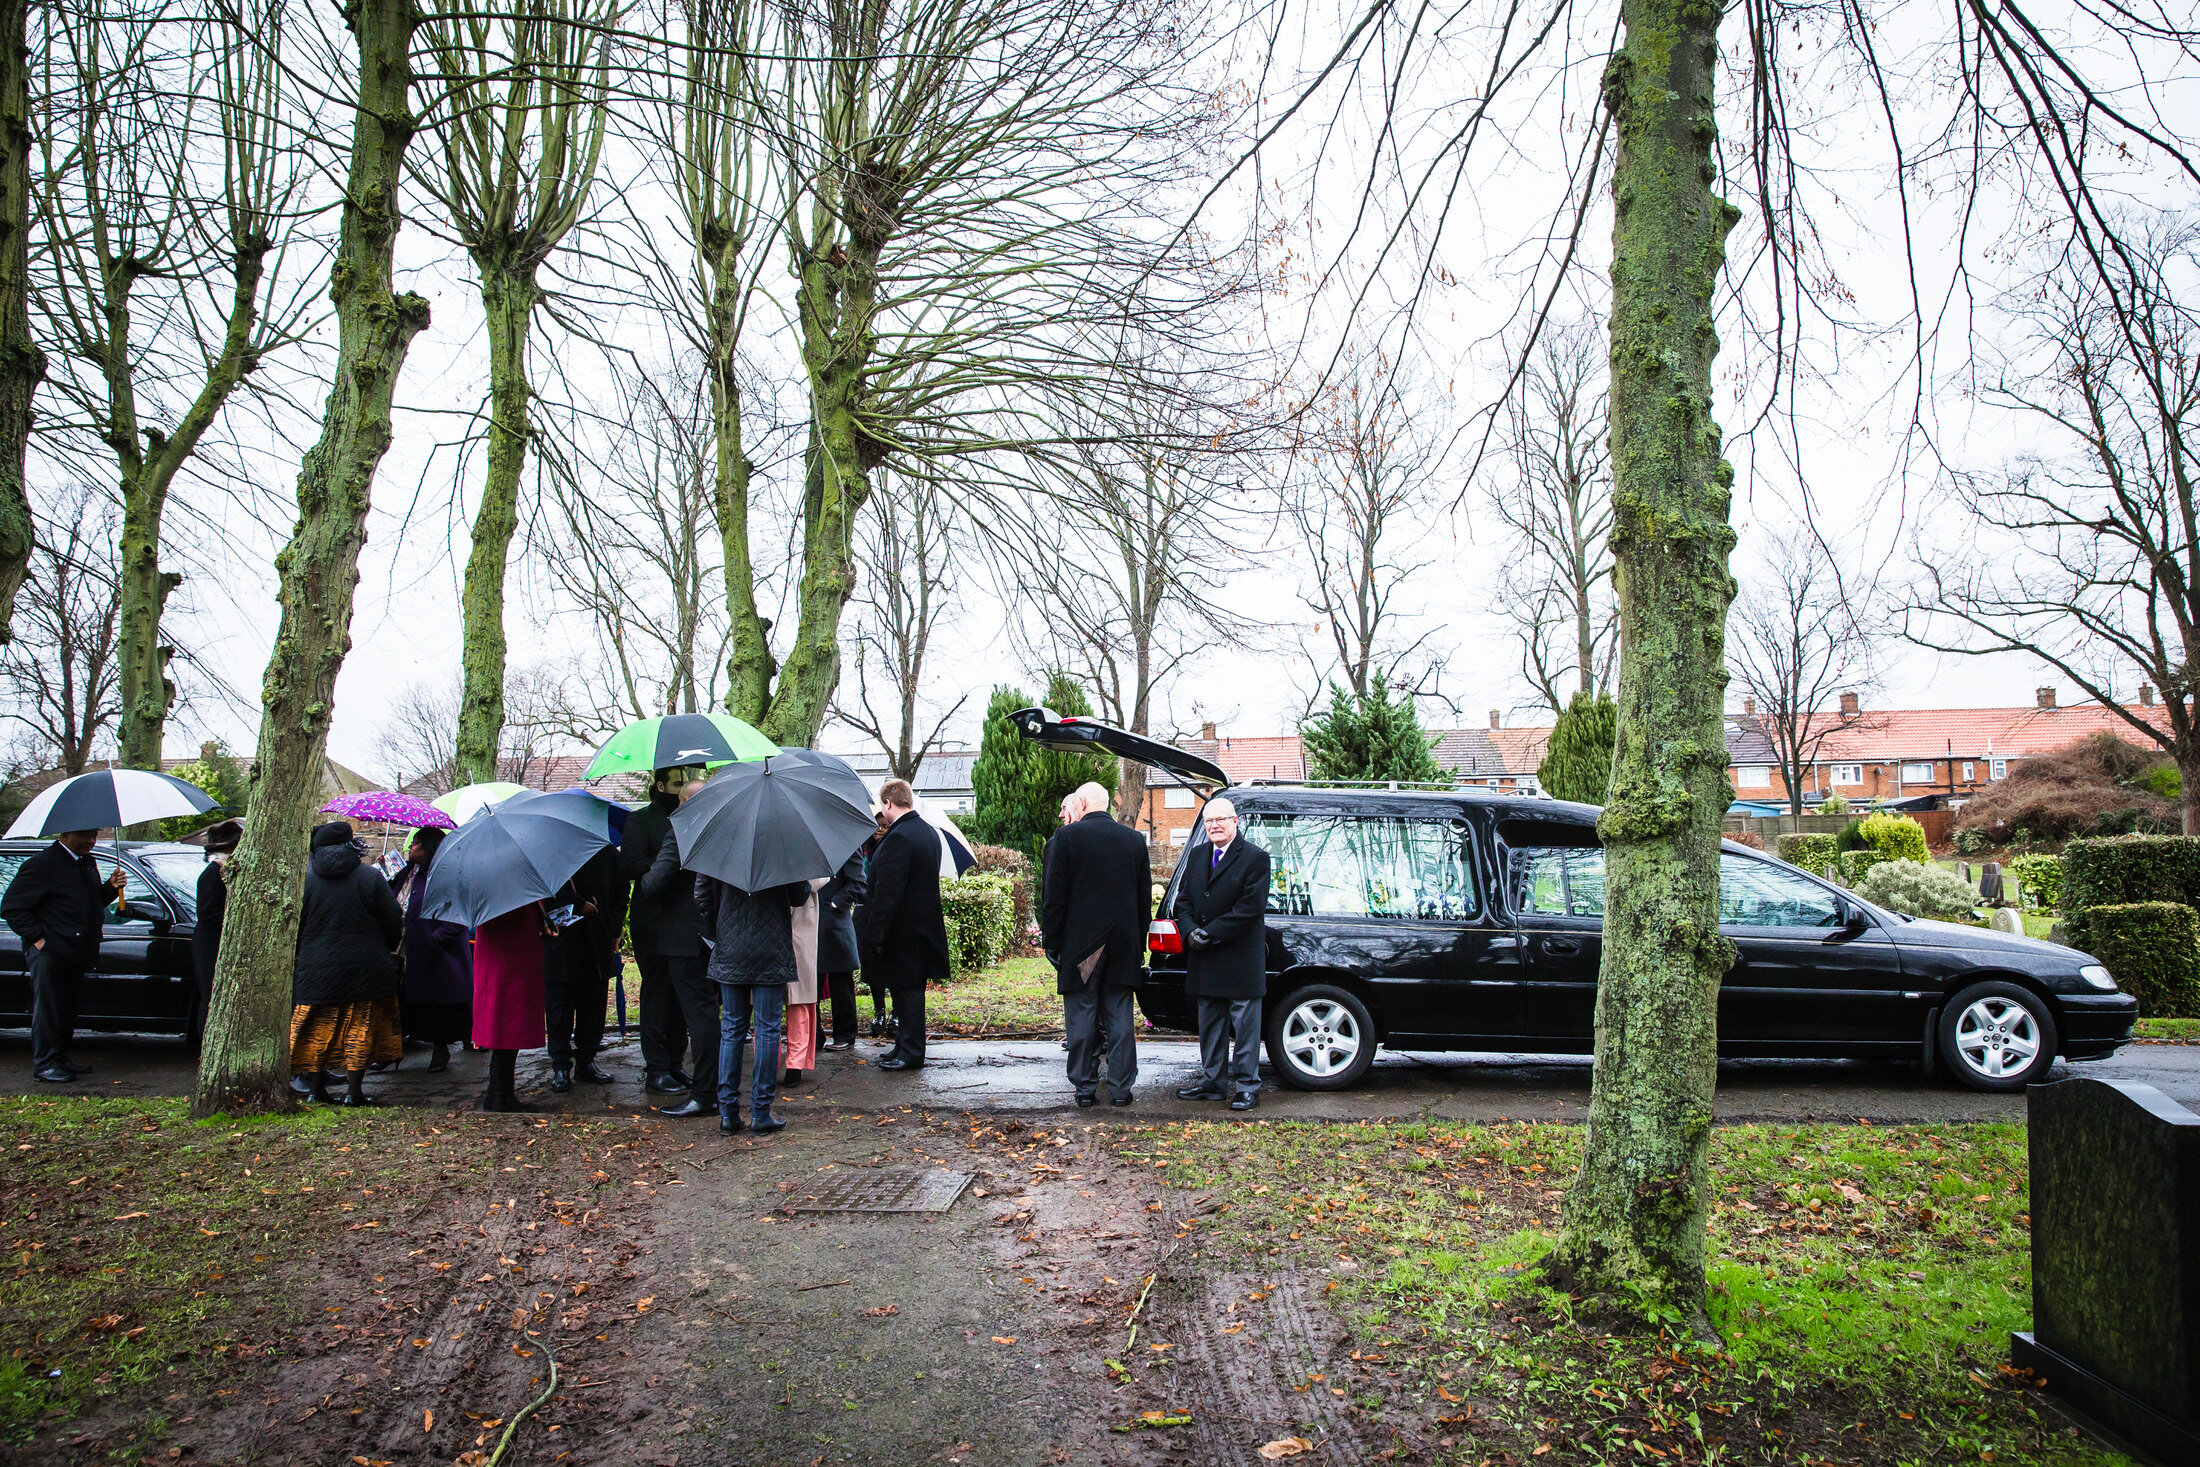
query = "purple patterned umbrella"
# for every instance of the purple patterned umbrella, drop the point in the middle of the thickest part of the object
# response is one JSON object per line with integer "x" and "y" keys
{"x": 387, "y": 805}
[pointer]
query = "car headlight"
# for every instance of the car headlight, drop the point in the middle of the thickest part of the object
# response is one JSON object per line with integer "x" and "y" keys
{"x": 2098, "y": 977}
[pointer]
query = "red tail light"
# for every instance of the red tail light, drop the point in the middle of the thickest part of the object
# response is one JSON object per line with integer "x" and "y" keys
{"x": 1162, "y": 937}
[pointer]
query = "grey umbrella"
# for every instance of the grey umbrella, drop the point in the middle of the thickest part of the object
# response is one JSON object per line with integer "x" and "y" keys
{"x": 520, "y": 852}
{"x": 765, "y": 823}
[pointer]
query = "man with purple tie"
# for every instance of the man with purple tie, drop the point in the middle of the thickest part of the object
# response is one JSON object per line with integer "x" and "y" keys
{"x": 1221, "y": 908}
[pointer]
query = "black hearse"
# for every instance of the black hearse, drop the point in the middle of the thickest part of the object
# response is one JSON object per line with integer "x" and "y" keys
{"x": 1463, "y": 919}
{"x": 143, "y": 981}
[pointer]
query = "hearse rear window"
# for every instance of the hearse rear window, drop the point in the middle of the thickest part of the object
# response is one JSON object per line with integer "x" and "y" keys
{"x": 1384, "y": 867}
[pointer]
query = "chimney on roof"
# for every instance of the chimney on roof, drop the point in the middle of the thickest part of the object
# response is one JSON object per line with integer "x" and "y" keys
{"x": 2146, "y": 695}
{"x": 1749, "y": 707}
{"x": 1848, "y": 705}
{"x": 1495, "y": 722}
{"x": 1207, "y": 732}
{"x": 2046, "y": 697}
{"x": 207, "y": 747}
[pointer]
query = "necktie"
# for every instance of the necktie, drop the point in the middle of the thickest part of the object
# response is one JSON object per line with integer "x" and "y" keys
{"x": 1218, "y": 857}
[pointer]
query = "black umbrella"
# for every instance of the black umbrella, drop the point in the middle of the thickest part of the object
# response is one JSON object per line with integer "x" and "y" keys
{"x": 109, "y": 797}
{"x": 520, "y": 852}
{"x": 794, "y": 816}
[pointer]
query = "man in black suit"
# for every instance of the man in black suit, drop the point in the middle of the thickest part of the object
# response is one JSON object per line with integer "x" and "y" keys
{"x": 1092, "y": 924}
{"x": 578, "y": 968}
{"x": 58, "y": 905}
{"x": 1221, "y": 908}
{"x": 679, "y": 1003}
{"x": 904, "y": 931}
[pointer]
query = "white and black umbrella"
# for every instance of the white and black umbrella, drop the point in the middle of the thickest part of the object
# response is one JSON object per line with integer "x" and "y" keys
{"x": 109, "y": 797}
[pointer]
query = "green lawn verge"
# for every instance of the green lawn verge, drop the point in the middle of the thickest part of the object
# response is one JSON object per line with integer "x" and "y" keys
{"x": 2174, "y": 1031}
{"x": 1864, "y": 1281}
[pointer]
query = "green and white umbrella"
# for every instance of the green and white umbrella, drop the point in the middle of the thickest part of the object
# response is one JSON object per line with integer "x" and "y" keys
{"x": 469, "y": 800}
{"x": 677, "y": 739}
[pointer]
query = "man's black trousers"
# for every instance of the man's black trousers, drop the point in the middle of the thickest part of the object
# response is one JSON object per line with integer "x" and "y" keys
{"x": 54, "y": 989}
{"x": 689, "y": 981}
{"x": 662, "y": 1017}
{"x": 574, "y": 990}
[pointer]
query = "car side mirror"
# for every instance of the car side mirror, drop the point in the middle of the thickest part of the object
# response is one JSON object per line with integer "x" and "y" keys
{"x": 139, "y": 912}
{"x": 1853, "y": 919}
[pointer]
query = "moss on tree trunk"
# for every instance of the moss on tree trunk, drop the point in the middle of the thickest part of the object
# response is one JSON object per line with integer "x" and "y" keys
{"x": 244, "y": 1063}
{"x": 508, "y": 299}
{"x": 1634, "y": 1218}
{"x": 22, "y": 364}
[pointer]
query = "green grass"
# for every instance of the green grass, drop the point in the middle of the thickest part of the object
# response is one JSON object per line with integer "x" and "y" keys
{"x": 1863, "y": 1280}
{"x": 2177, "y": 1031}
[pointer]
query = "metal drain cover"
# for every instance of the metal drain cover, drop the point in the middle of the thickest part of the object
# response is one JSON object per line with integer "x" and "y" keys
{"x": 866, "y": 1189}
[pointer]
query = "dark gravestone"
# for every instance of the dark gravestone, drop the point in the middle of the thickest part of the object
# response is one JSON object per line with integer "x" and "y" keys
{"x": 2116, "y": 1260}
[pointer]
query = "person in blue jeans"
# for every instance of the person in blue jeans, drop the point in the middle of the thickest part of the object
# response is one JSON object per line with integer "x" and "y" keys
{"x": 752, "y": 962}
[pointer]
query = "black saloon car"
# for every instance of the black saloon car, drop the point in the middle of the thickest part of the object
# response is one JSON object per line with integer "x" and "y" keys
{"x": 1461, "y": 919}
{"x": 143, "y": 983}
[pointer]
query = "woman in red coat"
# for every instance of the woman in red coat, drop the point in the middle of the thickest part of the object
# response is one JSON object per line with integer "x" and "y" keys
{"x": 508, "y": 998}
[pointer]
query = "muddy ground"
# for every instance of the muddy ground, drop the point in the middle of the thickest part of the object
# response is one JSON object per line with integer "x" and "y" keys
{"x": 694, "y": 1320}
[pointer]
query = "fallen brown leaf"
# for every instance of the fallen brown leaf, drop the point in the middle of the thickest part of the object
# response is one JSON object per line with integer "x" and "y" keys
{"x": 882, "y": 1311}
{"x": 1289, "y": 1446}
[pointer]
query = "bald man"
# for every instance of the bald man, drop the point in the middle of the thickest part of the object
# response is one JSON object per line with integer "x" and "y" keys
{"x": 1092, "y": 924}
{"x": 1221, "y": 908}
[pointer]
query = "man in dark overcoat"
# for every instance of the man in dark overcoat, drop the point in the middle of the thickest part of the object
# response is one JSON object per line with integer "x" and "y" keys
{"x": 904, "y": 929}
{"x": 1092, "y": 924}
{"x": 578, "y": 969}
{"x": 58, "y": 905}
{"x": 679, "y": 1001}
{"x": 1221, "y": 910}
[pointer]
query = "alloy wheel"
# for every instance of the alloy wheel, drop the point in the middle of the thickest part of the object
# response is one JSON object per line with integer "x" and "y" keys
{"x": 1997, "y": 1037}
{"x": 1321, "y": 1037}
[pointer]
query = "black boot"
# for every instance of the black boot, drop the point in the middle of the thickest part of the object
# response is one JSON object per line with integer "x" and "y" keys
{"x": 561, "y": 1076}
{"x": 502, "y": 1095}
{"x": 763, "y": 1122}
{"x": 729, "y": 1120}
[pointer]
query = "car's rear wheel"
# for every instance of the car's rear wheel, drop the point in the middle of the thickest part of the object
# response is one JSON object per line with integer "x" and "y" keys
{"x": 1320, "y": 1038}
{"x": 1997, "y": 1036}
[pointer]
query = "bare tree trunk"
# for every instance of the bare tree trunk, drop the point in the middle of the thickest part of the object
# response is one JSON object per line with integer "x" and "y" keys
{"x": 508, "y": 302}
{"x": 22, "y": 364}
{"x": 244, "y": 1064}
{"x": 1635, "y": 1215}
{"x": 2188, "y": 802}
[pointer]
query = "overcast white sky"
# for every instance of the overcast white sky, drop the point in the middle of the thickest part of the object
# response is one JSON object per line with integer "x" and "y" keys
{"x": 406, "y": 629}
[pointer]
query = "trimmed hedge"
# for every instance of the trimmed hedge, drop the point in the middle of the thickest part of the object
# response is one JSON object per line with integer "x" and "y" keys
{"x": 1855, "y": 863}
{"x": 1814, "y": 853}
{"x": 2120, "y": 870}
{"x": 1897, "y": 837}
{"x": 2039, "y": 879}
{"x": 981, "y": 917}
{"x": 1918, "y": 889}
{"x": 2153, "y": 951}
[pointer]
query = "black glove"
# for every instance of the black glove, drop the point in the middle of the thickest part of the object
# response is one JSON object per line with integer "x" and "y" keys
{"x": 1199, "y": 938}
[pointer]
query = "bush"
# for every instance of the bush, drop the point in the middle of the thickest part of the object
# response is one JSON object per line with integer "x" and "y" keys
{"x": 2083, "y": 789}
{"x": 2152, "y": 949}
{"x": 1850, "y": 837}
{"x": 1017, "y": 867}
{"x": 981, "y": 917}
{"x": 1834, "y": 805}
{"x": 1577, "y": 758}
{"x": 1970, "y": 841}
{"x": 1814, "y": 853}
{"x": 2143, "y": 868}
{"x": 2039, "y": 880}
{"x": 1748, "y": 838}
{"x": 2164, "y": 779}
{"x": 1855, "y": 863}
{"x": 1916, "y": 889}
{"x": 1897, "y": 837}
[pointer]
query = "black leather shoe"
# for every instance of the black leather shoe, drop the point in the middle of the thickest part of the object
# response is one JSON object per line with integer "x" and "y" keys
{"x": 686, "y": 1081}
{"x": 594, "y": 1073}
{"x": 561, "y": 1078}
{"x": 897, "y": 1064}
{"x": 791, "y": 1079}
{"x": 1199, "y": 1092}
{"x": 74, "y": 1068}
{"x": 1245, "y": 1100}
{"x": 729, "y": 1122}
{"x": 767, "y": 1123}
{"x": 666, "y": 1085}
{"x": 691, "y": 1107}
{"x": 1119, "y": 1101}
{"x": 1087, "y": 1102}
{"x": 54, "y": 1075}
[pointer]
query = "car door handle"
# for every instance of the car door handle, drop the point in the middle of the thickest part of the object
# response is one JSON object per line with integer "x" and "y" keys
{"x": 1562, "y": 945}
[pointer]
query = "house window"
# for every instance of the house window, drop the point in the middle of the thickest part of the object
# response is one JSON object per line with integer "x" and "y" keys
{"x": 1176, "y": 798}
{"x": 1997, "y": 769}
{"x": 1970, "y": 772}
{"x": 1848, "y": 774}
{"x": 1917, "y": 774}
{"x": 1753, "y": 776}
{"x": 1176, "y": 835}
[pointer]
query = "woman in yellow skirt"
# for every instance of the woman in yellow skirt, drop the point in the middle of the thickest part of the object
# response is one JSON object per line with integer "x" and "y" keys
{"x": 345, "y": 982}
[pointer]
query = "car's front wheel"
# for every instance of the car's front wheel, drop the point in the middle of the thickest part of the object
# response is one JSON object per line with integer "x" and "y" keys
{"x": 1997, "y": 1036}
{"x": 1320, "y": 1038}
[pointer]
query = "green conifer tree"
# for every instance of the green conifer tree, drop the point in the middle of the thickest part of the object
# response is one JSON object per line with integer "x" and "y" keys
{"x": 1369, "y": 737}
{"x": 1577, "y": 763}
{"x": 1018, "y": 785}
